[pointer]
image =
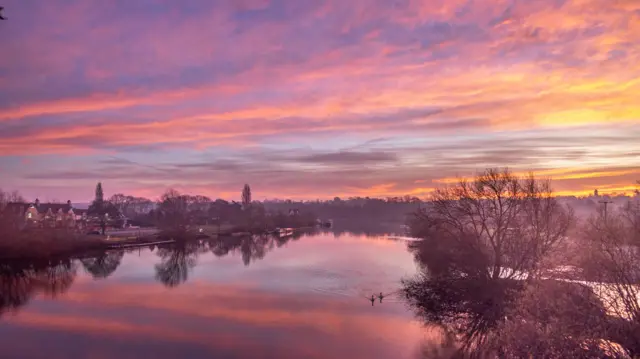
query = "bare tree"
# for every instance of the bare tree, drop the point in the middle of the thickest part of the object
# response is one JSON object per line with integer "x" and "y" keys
{"x": 174, "y": 211}
{"x": 499, "y": 220}
{"x": 630, "y": 214}
{"x": 612, "y": 261}
{"x": 120, "y": 201}
{"x": 10, "y": 197}
{"x": 138, "y": 205}
{"x": 10, "y": 218}
{"x": 554, "y": 319}
{"x": 482, "y": 242}
{"x": 199, "y": 203}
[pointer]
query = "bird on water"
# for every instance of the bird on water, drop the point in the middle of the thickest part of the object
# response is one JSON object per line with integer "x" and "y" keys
{"x": 2, "y": 17}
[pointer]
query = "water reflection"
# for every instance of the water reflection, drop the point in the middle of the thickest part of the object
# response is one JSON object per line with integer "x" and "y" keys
{"x": 458, "y": 295}
{"x": 177, "y": 260}
{"x": 102, "y": 265}
{"x": 484, "y": 317}
{"x": 342, "y": 227}
{"x": 285, "y": 307}
{"x": 20, "y": 282}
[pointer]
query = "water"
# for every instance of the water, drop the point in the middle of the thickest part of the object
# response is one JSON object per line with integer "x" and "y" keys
{"x": 303, "y": 298}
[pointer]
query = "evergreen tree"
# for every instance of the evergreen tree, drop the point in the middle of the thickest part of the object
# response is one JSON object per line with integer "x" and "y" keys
{"x": 98, "y": 207}
{"x": 99, "y": 193}
{"x": 246, "y": 196}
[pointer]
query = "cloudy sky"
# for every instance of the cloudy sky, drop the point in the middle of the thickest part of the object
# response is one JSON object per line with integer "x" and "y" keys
{"x": 313, "y": 99}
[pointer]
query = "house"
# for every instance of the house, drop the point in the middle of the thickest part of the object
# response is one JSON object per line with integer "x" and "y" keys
{"x": 81, "y": 214}
{"x": 38, "y": 214}
{"x": 294, "y": 212}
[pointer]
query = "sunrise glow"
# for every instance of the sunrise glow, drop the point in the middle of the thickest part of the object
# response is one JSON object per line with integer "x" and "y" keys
{"x": 316, "y": 99}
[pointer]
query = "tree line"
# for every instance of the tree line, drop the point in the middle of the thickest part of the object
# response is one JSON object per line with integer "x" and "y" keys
{"x": 174, "y": 212}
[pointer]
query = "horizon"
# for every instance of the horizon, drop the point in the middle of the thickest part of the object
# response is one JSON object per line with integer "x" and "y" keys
{"x": 155, "y": 199}
{"x": 316, "y": 100}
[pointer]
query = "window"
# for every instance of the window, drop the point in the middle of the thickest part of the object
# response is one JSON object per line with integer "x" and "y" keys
{"x": 29, "y": 215}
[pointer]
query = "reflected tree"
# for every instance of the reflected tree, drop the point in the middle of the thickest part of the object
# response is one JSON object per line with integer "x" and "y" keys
{"x": 251, "y": 247}
{"x": 177, "y": 260}
{"x": 19, "y": 282}
{"x": 468, "y": 308}
{"x": 103, "y": 265}
{"x": 57, "y": 279}
{"x": 176, "y": 263}
{"x": 16, "y": 287}
{"x": 221, "y": 246}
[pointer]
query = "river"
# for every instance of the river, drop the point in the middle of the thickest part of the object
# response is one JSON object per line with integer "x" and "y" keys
{"x": 244, "y": 298}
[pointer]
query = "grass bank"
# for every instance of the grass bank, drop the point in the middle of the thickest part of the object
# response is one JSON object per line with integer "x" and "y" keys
{"x": 51, "y": 243}
{"x": 40, "y": 245}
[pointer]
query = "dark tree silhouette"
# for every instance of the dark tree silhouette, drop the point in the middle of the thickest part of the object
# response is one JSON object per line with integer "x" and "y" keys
{"x": 246, "y": 197}
{"x": 100, "y": 208}
{"x": 11, "y": 219}
{"x": 120, "y": 201}
{"x": 173, "y": 213}
{"x": 99, "y": 193}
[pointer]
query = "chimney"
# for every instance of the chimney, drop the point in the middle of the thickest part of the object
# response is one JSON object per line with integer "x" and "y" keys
{"x": 37, "y": 203}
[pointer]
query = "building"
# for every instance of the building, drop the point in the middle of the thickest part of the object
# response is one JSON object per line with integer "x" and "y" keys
{"x": 51, "y": 215}
{"x": 294, "y": 212}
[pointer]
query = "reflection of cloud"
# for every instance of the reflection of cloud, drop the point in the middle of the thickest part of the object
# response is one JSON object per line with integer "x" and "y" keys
{"x": 229, "y": 319}
{"x": 239, "y": 75}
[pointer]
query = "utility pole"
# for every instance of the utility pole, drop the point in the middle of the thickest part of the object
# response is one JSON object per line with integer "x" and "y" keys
{"x": 605, "y": 208}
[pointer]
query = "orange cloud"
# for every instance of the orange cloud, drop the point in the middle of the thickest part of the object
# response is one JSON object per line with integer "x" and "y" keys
{"x": 233, "y": 76}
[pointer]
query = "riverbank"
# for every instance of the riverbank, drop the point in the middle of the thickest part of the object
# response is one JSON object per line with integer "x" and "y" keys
{"x": 41, "y": 245}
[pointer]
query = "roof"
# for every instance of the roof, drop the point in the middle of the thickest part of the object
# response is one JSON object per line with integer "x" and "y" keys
{"x": 44, "y": 207}
{"x": 54, "y": 207}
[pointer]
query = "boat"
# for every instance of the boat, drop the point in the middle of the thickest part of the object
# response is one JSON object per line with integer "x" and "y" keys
{"x": 285, "y": 232}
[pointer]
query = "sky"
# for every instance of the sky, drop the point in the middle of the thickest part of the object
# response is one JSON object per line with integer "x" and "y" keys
{"x": 315, "y": 99}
